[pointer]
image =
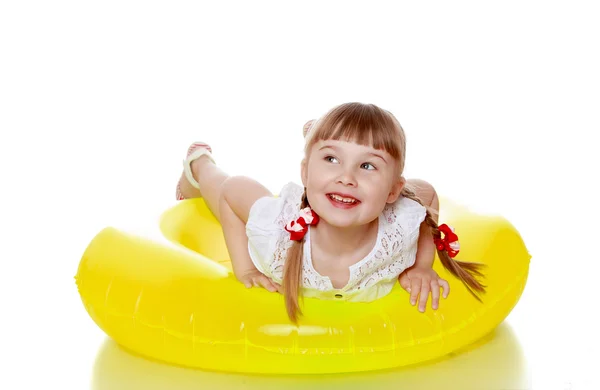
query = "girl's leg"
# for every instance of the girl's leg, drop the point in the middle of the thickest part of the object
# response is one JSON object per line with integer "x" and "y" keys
{"x": 216, "y": 186}
{"x": 239, "y": 194}
{"x": 210, "y": 178}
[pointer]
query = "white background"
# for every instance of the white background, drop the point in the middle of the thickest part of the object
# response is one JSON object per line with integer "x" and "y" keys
{"x": 99, "y": 101}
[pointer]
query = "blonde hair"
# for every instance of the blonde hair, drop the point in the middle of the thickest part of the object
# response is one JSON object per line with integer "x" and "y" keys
{"x": 366, "y": 124}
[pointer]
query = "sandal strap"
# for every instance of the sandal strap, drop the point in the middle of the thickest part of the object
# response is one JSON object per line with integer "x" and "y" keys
{"x": 187, "y": 169}
{"x": 197, "y": 145}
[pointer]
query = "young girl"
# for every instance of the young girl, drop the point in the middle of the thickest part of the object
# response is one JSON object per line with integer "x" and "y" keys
{"x": 353, "y": 228}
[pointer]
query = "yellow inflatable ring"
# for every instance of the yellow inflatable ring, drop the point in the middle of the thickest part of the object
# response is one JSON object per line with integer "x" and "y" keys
{"x": 174, "y": 298}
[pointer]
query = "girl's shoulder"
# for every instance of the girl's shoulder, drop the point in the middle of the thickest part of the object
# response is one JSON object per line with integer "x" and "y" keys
{"x": 404, "y": 210}
{"x": 273, "y": 212}
{"x": 292, "y": 193}
{"x": 401, "y": 223}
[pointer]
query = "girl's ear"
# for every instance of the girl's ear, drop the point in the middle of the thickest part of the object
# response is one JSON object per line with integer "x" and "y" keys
{"x": 396, "y": 190}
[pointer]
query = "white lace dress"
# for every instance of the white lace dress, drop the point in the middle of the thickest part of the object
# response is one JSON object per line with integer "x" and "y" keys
{"x": 371, "y": 278}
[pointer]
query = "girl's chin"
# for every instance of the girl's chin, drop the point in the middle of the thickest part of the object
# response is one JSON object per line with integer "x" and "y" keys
{"x": 337, "y": 222}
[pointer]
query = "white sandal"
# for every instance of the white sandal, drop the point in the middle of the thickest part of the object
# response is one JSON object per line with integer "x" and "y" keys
{"x": 307, "y": 127}
{"x": 194, "y": 152}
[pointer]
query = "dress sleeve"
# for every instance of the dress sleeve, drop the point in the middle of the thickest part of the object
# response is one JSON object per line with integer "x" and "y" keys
{"x": 262, "y": 232}
{"x": 412, "y": 214}
{"x": 265, "y": 230}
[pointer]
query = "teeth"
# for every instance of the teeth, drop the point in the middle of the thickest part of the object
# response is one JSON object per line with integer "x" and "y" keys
{"x": 341, "y": 199}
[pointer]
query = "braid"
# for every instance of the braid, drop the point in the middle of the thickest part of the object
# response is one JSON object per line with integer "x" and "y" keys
{"x": 304, "y": 200}
{"x": 292, "y": 273}
{"x": 465, "y": 271}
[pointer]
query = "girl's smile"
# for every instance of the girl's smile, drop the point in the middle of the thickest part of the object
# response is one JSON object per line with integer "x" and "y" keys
{"x": 343, "y": 201}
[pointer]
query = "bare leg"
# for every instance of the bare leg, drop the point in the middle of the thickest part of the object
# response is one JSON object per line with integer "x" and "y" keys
{"x": 238, "y": 192}
{"x": 210, "y": 178}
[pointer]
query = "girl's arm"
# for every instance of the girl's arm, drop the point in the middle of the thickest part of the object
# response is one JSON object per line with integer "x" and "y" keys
{"x": 238, "y": 194}
{"x": 425, "y": 245}
{"x": 420, "y": 279}
{"x": 425, "y": 248}
{"x": 234, "y": 230}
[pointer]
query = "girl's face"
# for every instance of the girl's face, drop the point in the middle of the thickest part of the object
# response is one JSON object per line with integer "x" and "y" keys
{"x": 348, "y": 184}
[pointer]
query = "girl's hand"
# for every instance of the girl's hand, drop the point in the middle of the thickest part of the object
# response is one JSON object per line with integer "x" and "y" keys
{"x": 254, "y": 278}
{"x": 423, "y": 280}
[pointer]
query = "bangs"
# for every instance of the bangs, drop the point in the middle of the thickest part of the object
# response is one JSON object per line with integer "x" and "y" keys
{"x": 364, "y": 124}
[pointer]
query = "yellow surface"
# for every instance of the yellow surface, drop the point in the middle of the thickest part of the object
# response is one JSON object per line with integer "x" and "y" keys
{"x": 175, "y": 299}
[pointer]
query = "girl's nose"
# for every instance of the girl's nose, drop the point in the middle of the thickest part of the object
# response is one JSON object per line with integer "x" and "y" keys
{"x": 347, "y": 178}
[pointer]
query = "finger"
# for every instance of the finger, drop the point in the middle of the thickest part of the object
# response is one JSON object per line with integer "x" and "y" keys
{"x": 266, "y": 283}
{"x": 277, "y": 286}
{"x": 415, "y": 287}
{"x": 435, "y": 294}
{"x": 444, "y": 284}
{"x": 404, "y": 281}
{"x": 425, "y": 288}
{"x": 251, "y": 282}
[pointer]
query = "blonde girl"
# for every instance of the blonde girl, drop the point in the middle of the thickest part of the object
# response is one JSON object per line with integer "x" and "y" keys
{"x": 353, "y": 228}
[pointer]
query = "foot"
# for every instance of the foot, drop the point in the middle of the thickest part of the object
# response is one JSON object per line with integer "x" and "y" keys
{"x": 307, "y": 126}
{"x": 195, "y": 151}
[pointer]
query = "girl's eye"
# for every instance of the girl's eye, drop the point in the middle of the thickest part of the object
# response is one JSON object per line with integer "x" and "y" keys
{"x": 366, "y": 165}
{"x": 329, "y": 158}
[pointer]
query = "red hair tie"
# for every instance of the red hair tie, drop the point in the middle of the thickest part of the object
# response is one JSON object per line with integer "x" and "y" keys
{"x": 450, "y": 241}
{"x": 297, "y": 228}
